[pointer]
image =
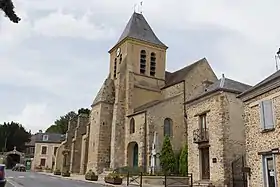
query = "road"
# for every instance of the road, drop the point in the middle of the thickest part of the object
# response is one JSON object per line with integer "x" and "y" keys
{"x": 30, "y": 179}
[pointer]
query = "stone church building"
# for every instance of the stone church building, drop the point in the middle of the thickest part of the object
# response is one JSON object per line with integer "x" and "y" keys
{"x": 138, "y": 104}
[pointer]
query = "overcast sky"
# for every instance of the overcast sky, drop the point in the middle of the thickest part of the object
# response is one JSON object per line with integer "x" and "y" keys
{"x": 56, "y": 58}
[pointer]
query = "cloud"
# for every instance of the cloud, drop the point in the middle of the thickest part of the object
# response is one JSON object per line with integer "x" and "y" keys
{"x": 56, "y": 59}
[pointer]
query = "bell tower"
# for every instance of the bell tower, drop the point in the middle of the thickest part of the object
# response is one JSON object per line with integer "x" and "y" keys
{"x": 137, "y": 66}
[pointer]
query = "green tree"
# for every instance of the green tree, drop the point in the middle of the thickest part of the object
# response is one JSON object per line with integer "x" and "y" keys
{"x": 183, "y": 163}
{"x": 84, "y": 111}
{"x": 167, "y": 157}
{"x": 13, "y": 134}
{"x": 7, "y": 7}
{"x": 61, "y": 125}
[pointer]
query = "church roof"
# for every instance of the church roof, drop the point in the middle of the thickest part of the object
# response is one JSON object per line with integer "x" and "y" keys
{"x": 138, "y": 28}
{"x": 223, "y": 84}
{"x": 179, "y": 75}
{"x": 106, "y": 92}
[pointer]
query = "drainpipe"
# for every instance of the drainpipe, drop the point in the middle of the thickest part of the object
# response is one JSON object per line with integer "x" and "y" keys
{"x": 185, "y": 112}
{"x": 145, "y": 144}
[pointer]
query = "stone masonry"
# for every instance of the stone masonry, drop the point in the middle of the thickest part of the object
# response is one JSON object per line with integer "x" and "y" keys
{"x": 258, "y": 142}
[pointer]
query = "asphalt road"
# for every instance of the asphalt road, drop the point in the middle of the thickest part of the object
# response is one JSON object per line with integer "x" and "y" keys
{"x": 30, "y": 179}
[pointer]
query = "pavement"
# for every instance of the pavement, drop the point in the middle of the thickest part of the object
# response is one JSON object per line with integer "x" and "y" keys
{"x": 32, "y": 179}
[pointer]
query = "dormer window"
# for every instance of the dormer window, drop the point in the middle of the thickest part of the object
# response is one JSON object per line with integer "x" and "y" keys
{"x": 143, "y": 61}
{"x": 115, "y": 68}
{"x": 153, "y": 64}
{"x": 45, "y": 137}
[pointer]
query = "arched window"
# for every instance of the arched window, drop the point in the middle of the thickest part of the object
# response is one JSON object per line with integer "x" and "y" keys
{"x": 115, "y": 68}
{"x": 120, "y": 59}
{"x": 132, "y": 126}
{"x": 153, "y": 64}
{"x": 167, "y": 129}
{"x": 143, "y": 61}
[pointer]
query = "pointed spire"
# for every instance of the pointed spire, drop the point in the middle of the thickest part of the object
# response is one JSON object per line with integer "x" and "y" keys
{"x": 138, "y": 28}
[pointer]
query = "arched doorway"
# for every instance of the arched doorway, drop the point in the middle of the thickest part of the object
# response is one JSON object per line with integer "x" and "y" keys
{"x": 13, "y": 157}
{"x": 133, "y": 154}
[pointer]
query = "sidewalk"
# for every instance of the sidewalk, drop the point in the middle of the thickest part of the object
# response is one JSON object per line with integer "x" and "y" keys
{"x": 100, "y": 180}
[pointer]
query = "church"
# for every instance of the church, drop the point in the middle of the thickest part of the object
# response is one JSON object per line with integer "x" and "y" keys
{"x": 138, "y": 105}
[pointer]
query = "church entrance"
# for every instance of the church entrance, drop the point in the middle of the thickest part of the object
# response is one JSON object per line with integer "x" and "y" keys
{"x": 133, "y": 154}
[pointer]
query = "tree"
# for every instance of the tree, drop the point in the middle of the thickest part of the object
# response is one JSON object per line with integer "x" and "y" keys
{"x": 13, "y": 134}
{"x": 61, "y": 125}
{"x": 7, "y": 7}
{"x": 183, "y": 163}
{"x": 167, "y": 157}
{"x": 84, "y": 111}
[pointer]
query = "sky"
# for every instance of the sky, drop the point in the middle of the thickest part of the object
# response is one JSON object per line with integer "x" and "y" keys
{"x": 56, "y": 58}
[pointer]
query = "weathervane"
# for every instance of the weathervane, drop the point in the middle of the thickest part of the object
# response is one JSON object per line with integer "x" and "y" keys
{"x": 140, "y": 8}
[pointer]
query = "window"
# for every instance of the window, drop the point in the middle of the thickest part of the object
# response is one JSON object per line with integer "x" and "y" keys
{"x": 167, "y": 129}
{"x": 202, "y": 121}
{"x": 120, "y": 59}
{"x": 32, "y": 150}
{"x": 43, "y": 162}
{"x": 45, "y": 137}
{"x": 115, "y": 68}
{"x": 267, "y": 116}
{"x": 132, "y": 126}
{"x": 269, "y": 172}
{"x": 153, "y": 64}
{"x": 44, "y": 150}
{"x": 142, "y": 61}
{"x": 55, "y": 150}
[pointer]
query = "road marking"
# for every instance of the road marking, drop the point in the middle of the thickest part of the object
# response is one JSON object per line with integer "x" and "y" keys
{"x": 20, "y": 177}
{"x": 14, "y": 184}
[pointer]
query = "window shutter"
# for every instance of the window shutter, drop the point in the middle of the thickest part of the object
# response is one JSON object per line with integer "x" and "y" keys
{"x": 262, "y": 115}
{"x": 268, "y": 114}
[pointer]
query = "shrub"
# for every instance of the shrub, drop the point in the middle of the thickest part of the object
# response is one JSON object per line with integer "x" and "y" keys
{"x": 167, "y": 157}
{"x": 183, "y": 164}
{"x": 90, "y": 175}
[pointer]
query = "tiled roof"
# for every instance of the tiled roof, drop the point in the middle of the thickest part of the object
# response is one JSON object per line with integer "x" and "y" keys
{"x": 138, "y": 28}
{"x": 52, "y": 138}
{"x": 179, "y": 75}
{"x": 106, "y": 92}
{"x": 262, "y": 83}
{"x": 224, "y": 84}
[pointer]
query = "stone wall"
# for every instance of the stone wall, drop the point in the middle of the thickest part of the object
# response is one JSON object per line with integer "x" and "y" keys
{"x": 226, "y": 135}
{"x": 256, "y": 141}
{"x": 77, "y": 142}
{"x": 59, "y": 157}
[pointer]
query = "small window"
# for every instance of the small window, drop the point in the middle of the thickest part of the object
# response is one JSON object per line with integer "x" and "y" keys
{"x": 143, "y": 61}
{"x": 120, "y": 59}
{"x": 115, "y": 68}
{"x": 44, "y": 150}
{"x": 267, "y": 114}
{"x": 167, "y": 130}
{"x": 132, "y": 126}
{"x": 43, "y": 162}
{"x": 55, "y": 150}
{"x": 45, "y": 137}
{"x": 153, "y": 64}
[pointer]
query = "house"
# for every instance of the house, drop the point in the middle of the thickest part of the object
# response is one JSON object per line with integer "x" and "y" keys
{"x": 46, "y": 145}
{"x": 261, "y": 116}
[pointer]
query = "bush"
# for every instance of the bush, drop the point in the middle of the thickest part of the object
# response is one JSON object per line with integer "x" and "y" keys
{"x": 183, "y": 164}
{"x": 57, "y": 172}
{"x": 167, "y": 157}
{"x": 90, "y": 175}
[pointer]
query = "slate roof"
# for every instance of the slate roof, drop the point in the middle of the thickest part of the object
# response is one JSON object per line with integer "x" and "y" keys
{"x": 262, "y": 83}
{"x": 138, "y": 28}
{"x": 179, "y": 75}
{"x": 52, "y": 138}
{"x": 106, "y": 92}
{"x": 223, "y": 84}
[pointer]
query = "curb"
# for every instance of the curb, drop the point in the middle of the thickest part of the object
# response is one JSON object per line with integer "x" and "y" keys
{"x": 80, "y": 180}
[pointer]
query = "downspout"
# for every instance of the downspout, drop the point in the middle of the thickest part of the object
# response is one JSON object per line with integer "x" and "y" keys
{"x": 145, "y": 144}
{"x": 185, "y": 112}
